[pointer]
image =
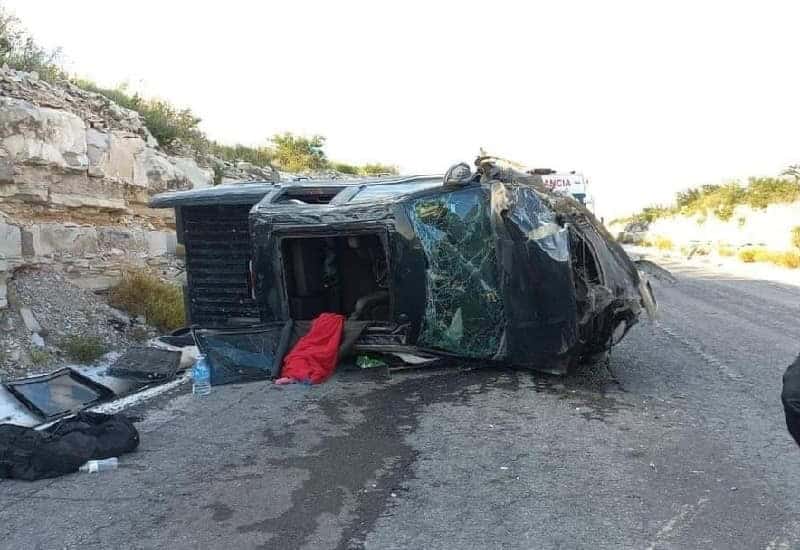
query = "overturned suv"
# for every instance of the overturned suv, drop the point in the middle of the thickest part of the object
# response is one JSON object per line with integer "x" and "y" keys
{"x": 484, "y": 265}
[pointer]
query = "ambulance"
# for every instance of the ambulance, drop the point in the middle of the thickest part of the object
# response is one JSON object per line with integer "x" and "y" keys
{"x": 568, "y": 183}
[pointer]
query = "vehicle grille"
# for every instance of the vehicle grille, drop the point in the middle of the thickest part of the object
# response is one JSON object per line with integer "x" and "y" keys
{"x": 217, "y": 241}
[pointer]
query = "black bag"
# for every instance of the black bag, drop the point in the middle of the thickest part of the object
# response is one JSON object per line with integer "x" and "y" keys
{"x": 62, "y": 448}
{"x": 790, "y": 396}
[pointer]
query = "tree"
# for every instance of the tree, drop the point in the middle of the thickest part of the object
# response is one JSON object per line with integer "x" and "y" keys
{"x": 793, "y": 171}
{"x": 20, "y": 51}
{"x": 297, "y": 153}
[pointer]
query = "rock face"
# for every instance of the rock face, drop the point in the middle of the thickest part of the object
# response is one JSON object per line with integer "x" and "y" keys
{"x": 10, "y": 241}
{"x": 50, "y": 156}
{"x": 76, "y": 173}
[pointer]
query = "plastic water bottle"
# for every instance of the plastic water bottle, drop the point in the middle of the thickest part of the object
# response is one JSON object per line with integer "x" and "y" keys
{"x": 94, "y": 466}
{"x": 201, "y": 377}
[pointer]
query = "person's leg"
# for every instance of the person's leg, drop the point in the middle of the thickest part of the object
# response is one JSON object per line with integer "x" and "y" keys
{"x": 791, "y": 398}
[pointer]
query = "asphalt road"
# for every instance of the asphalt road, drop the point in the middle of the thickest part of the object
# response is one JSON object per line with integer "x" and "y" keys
{"x": 683, "y": 446}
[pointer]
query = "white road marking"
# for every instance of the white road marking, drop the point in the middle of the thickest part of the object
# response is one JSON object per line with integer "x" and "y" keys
{"x": 687, "y": 511}
{"x": 723, "y": 368}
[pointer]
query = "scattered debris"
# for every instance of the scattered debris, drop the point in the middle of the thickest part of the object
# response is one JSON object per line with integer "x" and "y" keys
{"x": 62, "y": 392}
{"x": 146, "y": 364}
{"x": 368, "y": 362}
{"x": 245, "y": 354}
{"x": 104, "y": 465}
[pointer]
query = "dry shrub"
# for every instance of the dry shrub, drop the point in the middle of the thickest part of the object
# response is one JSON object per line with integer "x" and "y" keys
{"x": 790, "y": 260}
{"x": 83, "y": 349}
{"x": 796, "y": 237}
{"x": 664, "y": 243}
{"x": 748, "y": 255}
{"x": 787, "y": 259}
{"x": 141, "y": 293}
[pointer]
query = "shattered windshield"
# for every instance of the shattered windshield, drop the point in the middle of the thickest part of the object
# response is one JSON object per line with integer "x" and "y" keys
{"x": 464, "y": 310}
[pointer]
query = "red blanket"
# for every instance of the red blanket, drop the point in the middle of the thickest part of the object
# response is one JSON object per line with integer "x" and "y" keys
{"x": 313, "y": 358}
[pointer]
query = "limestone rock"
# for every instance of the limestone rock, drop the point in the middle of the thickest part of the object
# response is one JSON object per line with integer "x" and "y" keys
{"x": 197, "y": 177}
{"x": 42, "y": 136}
{"x": 54, "y": 238}
{"x": 96, "y": 283}
{"x": 37, "y": 340}
{"x": 162, "y": 243}
{"x": 6, "y": 170}
{"x": 160, "y": 172}
{"x": 123, "y": 159}
{"x": 98, "y": 146}
{"x": 3, "y": 292}
{"x": 30, "y": 320}
{"x": 119, "y": 240}
{"x": 10, "y": 241}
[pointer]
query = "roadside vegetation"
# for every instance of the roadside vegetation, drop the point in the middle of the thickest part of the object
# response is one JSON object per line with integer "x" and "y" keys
{"x": 40, "y": 357}
{"x": 664, "y": 243}
{"x": 721, "y": 200}
{"x": 789, "y": 259}
{"x": 83, "y": 349}
{"x": 796, "y": 237}
{"x": 169, "y": 124}
{"x": 141, "y": 293}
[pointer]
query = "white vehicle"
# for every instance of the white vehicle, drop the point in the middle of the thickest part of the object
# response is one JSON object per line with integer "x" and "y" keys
{"x": 568, "y": 183}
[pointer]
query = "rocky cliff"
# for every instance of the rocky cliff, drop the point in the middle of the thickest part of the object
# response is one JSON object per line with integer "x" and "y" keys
{"x": 76, "y": 173}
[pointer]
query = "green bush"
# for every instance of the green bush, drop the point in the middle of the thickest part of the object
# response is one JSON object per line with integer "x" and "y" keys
{"x": 720, "y": 200}
{"x": 378, "y": 169}
{"x": 258, "y": 156}
{"x": 365, "y": 170}
{"x": 761, "y": 192}
{"x": 166, "y": 122}
{"x": 141, "y": 293}
{"x": 297, "y": 153}
{"x": 83, "y": 349}
{"x": 346, "y": 168}
{"x": 40, "y": 357}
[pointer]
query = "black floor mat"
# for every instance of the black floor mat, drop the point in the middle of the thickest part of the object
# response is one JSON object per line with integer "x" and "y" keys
{"x": 146, "y": 364}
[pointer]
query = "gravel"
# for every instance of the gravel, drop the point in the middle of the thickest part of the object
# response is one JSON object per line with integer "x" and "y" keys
{"x": 63, "y": 310}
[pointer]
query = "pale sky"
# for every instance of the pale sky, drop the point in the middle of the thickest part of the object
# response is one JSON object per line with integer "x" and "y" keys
{"x": 645, "y": 99}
